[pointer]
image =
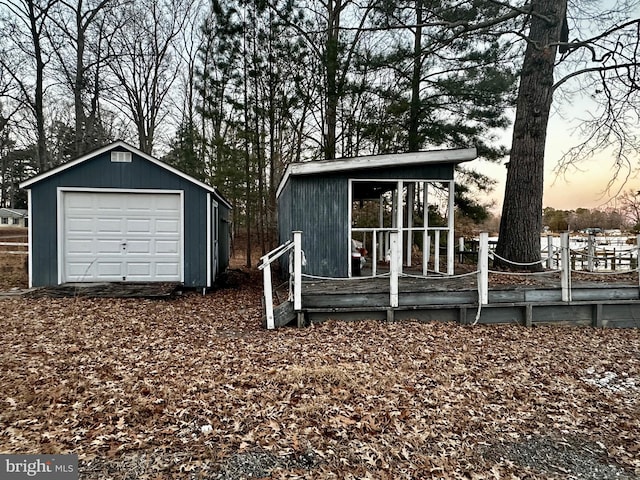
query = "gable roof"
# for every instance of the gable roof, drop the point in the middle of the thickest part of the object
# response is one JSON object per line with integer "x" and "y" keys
{"x": 13, "y": 212}
{"x": 122, "y": 145}
{"x": 457, "y": 155}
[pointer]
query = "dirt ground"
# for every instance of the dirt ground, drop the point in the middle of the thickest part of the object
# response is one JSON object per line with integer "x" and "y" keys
{"x": 193, "y": 387}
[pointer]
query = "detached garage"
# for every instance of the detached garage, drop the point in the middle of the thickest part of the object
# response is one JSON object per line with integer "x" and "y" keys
{"x": 120, "y": 215}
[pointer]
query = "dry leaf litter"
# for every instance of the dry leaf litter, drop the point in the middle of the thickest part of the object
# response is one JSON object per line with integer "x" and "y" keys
{"x": 193, "y": 387}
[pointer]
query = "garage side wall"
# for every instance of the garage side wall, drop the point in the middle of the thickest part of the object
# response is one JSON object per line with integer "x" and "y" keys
{"x": 224, "y": 237}
{"x": 100, "y": 172}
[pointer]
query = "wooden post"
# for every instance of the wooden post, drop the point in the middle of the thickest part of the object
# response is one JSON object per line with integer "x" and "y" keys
{"x": 461, "y": 249}
{"x": 450, "y": 232}
{"x": 483, "y": 269}
{"x": 268, "y": 297}
{"x": 613, "y": 260}
{"x": 410, "y": 200}
{"x": 297, "y": 271}
{"x": 549, "y": 252}
{"x": 565, "y": 275}
{"x": 591, "y": 250}
{"x": 396, "y": 258}
{"x": 436, "y": 251}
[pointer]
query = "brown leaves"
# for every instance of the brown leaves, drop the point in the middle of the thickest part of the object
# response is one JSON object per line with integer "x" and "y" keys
{"x": 193, "y": 386}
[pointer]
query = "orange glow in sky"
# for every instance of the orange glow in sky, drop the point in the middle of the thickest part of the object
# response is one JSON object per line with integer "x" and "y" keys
{"x": 582, "y": 187}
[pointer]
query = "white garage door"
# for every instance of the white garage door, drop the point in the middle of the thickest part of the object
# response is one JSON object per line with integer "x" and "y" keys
{"x": 133, "y": 237}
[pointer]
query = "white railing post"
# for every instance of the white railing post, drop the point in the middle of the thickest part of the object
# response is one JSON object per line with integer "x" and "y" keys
{"x": 565, "y": 260}
{"x": 396, "y": 258}
{"x": 483, "y": 268}
{"x": 436, "y": 251}
{"x": 374, "y": 253}
{"x": 268, "y": 298}
{"x": 591, "y": 251}
{"x": 297, "y": 270}
{"x": 426, "y": 252}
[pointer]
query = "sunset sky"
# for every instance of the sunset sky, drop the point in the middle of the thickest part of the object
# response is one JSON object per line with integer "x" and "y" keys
{"x": 582, "y": 187}
{"x": 586, "y": 185}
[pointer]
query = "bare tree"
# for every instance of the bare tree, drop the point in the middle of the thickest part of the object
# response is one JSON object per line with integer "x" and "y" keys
{"x": 630, "y": 206}
{"x": 81, "y": 37}
{"x": 143, "y": 60}
{"x": 25, "y": 23}
{"x": 612, "y": 56}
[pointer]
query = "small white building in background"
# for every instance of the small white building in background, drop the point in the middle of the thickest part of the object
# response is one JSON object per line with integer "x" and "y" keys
{"x": 13, "y": 217}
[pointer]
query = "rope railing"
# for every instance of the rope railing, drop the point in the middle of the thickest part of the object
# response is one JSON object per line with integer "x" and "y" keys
{"x": 348, "y": 279}
{"x": 482, "y": 271}
{"x": 494, "y": 255}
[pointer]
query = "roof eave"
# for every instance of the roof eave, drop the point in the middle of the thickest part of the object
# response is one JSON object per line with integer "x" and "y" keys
{"x": 455, "y": 156}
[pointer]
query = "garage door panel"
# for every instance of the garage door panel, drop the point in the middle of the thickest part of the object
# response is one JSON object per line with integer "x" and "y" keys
{"x": 106, "y": 270}
{"x": 106, "y": 247}
{"x": 167, "y": 226}
{"x": 139, "y": 270}
{"x": 139, "y": 225}
{"x": 167, "y": 270}
{"x": 114, "y": 236}
{"x": 79, "y": 270}
{"x": 108, "y": 225}
{"x": 167, "y": 247}
{"x": 78, "y": 246}
{"x": 139, "y": 246}
{"x": 79, "y": 225}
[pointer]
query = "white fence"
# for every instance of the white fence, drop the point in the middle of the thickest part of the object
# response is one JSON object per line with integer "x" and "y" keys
{"x": 14, "y": 244}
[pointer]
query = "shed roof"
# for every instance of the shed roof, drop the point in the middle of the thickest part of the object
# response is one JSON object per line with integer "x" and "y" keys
{"x": 122, "y": 145}
{"x": 457, "y": 155}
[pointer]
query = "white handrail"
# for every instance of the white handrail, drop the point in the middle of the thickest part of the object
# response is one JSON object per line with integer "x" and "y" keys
{"x": 274, "y": 254}
{"x": 265, "y": 266}
{"x": 266, "y": 280}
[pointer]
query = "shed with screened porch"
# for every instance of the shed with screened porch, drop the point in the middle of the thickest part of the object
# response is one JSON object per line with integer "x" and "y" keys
{"x": 348, "y": 207}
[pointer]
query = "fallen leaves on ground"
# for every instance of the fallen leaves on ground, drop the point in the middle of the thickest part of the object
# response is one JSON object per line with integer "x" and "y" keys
{"x": 195, "y": 388}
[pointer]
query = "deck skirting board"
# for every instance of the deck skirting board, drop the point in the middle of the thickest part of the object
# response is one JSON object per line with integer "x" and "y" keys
{"x": 607, "y": 313}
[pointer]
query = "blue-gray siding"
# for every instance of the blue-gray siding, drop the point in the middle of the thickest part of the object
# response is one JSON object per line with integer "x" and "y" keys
{"x": 100, "y": 172}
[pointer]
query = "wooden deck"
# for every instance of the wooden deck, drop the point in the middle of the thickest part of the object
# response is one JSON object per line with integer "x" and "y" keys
{"x": 533, "y": 300}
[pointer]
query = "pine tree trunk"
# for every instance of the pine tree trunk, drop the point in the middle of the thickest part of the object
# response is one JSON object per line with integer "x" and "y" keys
{"x": 521, "y": 222}
{"x": 416, "y": 77}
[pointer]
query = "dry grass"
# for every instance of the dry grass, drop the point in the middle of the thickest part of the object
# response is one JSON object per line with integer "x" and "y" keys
{"x": 13, "y": 267}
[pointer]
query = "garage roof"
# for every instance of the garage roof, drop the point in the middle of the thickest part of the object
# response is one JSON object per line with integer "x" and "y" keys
{"x": 123, "y": 145}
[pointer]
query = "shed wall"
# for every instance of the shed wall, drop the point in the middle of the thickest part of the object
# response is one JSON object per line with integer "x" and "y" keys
{"x": 224, "y": 237}
{"x": 318, "y": 206}
{"x": 100, "y": 172}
